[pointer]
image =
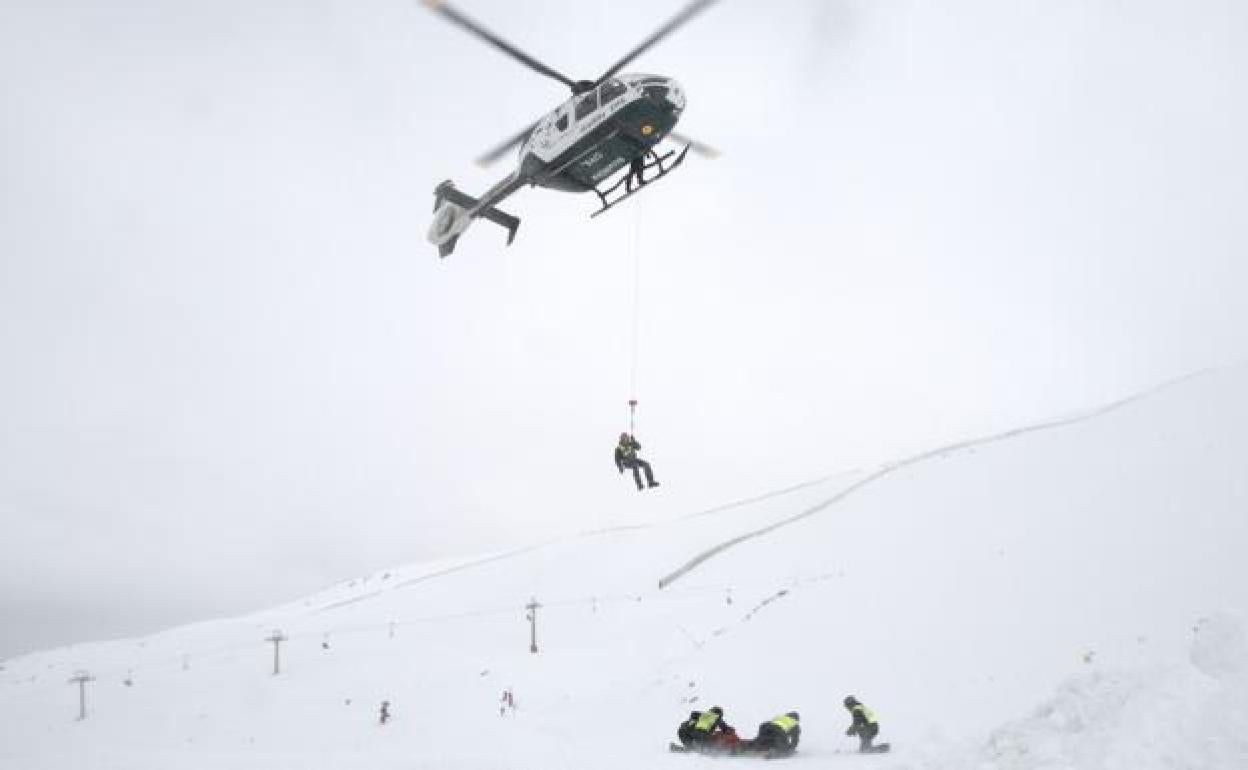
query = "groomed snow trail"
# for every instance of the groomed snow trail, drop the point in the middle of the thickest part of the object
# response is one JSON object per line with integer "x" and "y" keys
{"x": 898, "y": 465}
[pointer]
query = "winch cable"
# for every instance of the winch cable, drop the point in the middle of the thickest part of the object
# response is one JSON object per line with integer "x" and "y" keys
{"x": 636, "y": 330}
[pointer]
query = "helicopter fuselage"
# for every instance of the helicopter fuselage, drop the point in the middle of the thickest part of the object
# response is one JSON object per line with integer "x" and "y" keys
{"x": 595, "y": 134}
{"x": 612, "y": 123}
{"x": 574, "y": 148}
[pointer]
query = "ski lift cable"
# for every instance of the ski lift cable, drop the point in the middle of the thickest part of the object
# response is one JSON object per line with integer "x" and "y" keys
{"x": 216, "y": 654}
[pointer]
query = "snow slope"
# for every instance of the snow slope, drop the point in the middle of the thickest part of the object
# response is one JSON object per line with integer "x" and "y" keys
{"x": 1063, "y": 596}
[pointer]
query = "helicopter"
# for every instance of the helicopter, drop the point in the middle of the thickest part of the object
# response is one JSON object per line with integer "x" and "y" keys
{"x": 609, "y": 124}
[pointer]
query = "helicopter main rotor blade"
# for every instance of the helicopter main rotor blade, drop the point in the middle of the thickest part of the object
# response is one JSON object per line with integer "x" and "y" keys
{"x": 449, "y": 13}
{"x": 690, "y": 10}
{"x": 489, "y": 158}
{"x": 701, "y": 148}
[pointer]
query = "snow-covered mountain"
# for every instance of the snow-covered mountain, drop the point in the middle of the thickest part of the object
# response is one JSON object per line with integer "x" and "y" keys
{"x": 1067, "y": 595}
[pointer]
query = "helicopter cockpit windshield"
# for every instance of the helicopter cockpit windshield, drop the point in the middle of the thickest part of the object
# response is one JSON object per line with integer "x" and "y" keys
{"x": 611, "y": 90}
{"x": 587, "y": 104}
{"x": 654, "y": 87}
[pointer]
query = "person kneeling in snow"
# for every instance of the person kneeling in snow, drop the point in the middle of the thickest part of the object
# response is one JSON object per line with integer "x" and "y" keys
{"x": 865, "y": 726}
{"x": 779, "y": 737}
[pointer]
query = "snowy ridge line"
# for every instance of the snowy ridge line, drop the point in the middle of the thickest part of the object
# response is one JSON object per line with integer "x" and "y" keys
{"x": 481, "y": 562}
{"x": 486, "y": 560}
{"x": 739, "y": 503}
{"x": 930, "y": 454}
{"x": 587, "y": 534}
{"x": 620, "y": 528}
{"x": 437, "y": 574}
{"x": 771, "y": 495}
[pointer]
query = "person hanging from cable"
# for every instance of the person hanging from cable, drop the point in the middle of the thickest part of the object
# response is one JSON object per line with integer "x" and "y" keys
{"x": 626, "y": 457}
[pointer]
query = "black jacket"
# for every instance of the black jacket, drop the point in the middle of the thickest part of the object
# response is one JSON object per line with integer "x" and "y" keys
{"x": 772, "y": 736}
{"x": 626, "y": 453}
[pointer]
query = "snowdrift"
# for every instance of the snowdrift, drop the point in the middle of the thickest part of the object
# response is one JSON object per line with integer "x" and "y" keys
{"x": 1166, "y": 717}
{"x": 1101, "y": 555}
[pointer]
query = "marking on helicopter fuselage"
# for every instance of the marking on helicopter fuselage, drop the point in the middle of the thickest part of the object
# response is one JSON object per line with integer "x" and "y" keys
{"x": 608, "y": 169}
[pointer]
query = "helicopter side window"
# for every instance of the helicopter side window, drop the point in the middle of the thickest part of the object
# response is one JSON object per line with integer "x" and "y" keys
{"x": 586, "y": 105}
{"x": 611, "y": 90}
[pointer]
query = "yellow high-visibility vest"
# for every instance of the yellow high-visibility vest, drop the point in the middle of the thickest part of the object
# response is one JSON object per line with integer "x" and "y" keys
{"x": 785, "y": 722}
{"x": 867, "y": 713}
{"x": 707, "y": 722}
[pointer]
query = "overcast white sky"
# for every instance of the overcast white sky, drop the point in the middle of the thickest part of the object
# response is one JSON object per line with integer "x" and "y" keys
{"x": 233, "y": 371}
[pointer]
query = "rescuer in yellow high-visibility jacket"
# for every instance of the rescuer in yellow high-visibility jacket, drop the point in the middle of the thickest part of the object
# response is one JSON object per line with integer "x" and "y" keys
{"x": 865, "y": 726}
{"x": 778, "y": 737}
{"x": 698, "y": 729}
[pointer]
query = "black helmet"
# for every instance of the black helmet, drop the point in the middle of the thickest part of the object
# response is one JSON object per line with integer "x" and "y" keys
{"x": 794, "y": 715}
{"x": 850, "y": 701}
{"x": 717, "y": 710}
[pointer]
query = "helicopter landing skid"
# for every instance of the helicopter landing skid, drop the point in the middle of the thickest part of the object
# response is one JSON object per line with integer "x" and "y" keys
{"x": 605, "y": 195}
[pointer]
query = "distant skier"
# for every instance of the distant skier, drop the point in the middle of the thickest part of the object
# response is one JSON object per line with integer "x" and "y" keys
{"x": 779, "y": 737}
{"x": 385, "y": 712}
{"x": 865, "y": 725}
{"x": 626, "y": 457}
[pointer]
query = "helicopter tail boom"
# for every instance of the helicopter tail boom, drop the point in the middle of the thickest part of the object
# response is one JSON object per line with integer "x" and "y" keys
{"x": 454, "y": 210}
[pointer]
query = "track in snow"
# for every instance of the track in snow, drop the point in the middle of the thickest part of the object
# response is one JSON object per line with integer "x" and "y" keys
{"x": 893, "y": 467}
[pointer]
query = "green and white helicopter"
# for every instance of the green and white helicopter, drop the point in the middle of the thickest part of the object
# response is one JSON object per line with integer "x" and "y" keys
{"x": 609, "y": 126}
